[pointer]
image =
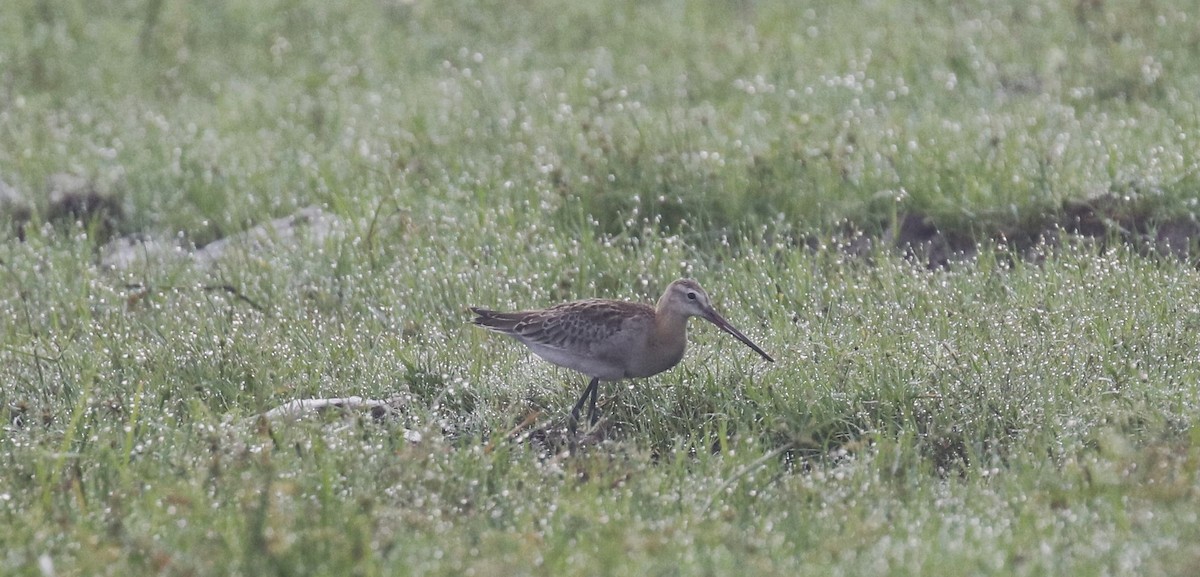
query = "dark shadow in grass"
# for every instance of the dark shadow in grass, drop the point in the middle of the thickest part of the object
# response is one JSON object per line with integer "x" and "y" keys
{"x": 553, "y": 438}
{"x": 69, "y": 200}
{"x": 1104, "y": 220}
{"x": 714, "y": 209}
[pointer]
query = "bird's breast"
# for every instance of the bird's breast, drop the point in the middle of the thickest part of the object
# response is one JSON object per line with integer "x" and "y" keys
{"x": 658, "y": 354}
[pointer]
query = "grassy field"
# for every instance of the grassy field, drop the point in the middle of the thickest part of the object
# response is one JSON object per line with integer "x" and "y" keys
{"x": 1016, "y": 413}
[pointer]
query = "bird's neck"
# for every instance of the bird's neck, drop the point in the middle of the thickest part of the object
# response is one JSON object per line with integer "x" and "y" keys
{"x": 670, "y": 330}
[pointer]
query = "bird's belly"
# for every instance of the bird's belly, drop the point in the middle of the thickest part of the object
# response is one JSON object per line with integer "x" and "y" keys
{"x": 605, "y": 369}
{"x": 613, "y": 367}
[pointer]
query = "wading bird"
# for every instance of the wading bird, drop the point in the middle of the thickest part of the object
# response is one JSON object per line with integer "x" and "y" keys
{"x": 610, "y": 340}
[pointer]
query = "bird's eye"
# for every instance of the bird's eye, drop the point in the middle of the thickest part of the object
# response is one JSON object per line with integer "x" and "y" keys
{"x": 692, "y": 296}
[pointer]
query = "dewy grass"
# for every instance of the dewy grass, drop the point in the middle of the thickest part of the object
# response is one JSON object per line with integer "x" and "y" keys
{"x": 703, "y": 114}
{"x": 973, "y": 420}
{"x": 1027, "y": 413}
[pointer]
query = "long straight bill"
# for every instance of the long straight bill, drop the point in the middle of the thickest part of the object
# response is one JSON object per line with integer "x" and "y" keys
{"x": 716, "y": 319}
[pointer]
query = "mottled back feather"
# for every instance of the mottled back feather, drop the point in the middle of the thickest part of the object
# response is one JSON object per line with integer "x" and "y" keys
{"x": 575, "y": 326}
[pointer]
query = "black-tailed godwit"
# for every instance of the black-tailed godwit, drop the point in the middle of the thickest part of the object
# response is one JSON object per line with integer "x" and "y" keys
{"x": 610, "y": 340}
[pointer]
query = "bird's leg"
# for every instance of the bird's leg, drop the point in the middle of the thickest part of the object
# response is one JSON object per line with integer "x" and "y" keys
{"x": 573, "y": 423}
{"x": 592, "y": 414}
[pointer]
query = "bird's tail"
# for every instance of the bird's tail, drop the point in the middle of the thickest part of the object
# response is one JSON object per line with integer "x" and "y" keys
{"x": 494, "y": 320}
